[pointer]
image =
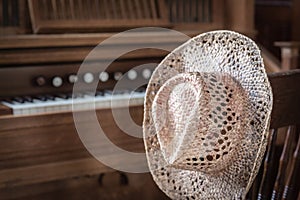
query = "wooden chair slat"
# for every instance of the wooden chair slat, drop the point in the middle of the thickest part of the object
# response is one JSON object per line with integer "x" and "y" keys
{"x": 253, "y": 192}
{"x": 283, "y": 162}
{"x": 290, "y": 189}
{"x": 265, "y": 188}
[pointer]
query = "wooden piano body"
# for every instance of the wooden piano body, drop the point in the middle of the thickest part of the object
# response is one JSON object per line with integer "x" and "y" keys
{"x": 41, "y": 154}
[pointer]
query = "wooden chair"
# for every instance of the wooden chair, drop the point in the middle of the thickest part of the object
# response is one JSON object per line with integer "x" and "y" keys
{"x": 280, "y": 171}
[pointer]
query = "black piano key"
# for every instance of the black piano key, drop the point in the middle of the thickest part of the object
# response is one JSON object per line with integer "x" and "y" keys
{"x": 127, "y": 91}
{"x": 123, "y": 92}
{"x": 114, "y": 92}
{"x": 62, "y": 96}
{"x": 99, "y": 93}
{"x": 70, "y": 95}
{"x": 141, "y": 89}
{"x": 77, "y": 95}
{"x": 50, "y": 97}
{"x": 19, "y": 99}
{"x": 108, "y": 92}
{"x": 41, "y": 97}
{"x": 28, "y": 99}
{"x": 91, "y": 94}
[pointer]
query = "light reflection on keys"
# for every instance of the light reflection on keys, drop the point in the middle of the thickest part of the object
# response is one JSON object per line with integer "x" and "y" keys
{"x": 82, "y": 101}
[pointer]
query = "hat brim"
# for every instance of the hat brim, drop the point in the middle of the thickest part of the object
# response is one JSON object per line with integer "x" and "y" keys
{"x": 224, "y": 52}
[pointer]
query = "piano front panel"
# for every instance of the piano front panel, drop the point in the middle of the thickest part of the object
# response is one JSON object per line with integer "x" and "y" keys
{"x": 48, "y": 149}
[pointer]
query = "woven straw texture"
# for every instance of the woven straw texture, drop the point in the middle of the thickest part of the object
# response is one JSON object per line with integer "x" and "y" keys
{"x": 206, "y": 118}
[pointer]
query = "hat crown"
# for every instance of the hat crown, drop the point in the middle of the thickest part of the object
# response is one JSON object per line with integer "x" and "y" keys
{"x": 176, "y": 110}
{"x": 197, "y": 120}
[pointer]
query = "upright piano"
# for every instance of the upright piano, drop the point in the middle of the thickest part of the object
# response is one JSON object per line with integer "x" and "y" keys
{"x": 44, "y": 44}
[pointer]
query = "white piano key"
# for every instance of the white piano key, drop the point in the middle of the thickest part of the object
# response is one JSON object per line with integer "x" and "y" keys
{"x": 80, "y": 102}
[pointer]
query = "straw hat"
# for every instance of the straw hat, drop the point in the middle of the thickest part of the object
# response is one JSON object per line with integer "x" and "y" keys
{"x": 207, "y": 113}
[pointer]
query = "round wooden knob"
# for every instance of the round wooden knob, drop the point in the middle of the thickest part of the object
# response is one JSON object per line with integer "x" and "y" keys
{"x": 132, "y": 74}
{"x": 73, "y": 78}
{"x": 57, "y": 81}
{"x": 40, "y": 80}
{"x": 146, "y": 73}
{"x": 88, "y": 77}
{"x": 118, "y": 75}
{"x": 103, "y": 76}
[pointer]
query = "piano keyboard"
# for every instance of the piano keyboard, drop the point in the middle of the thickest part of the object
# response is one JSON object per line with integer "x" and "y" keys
{"x": 68, "y": 102}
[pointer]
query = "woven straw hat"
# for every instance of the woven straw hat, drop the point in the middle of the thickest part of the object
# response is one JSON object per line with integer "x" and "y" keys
{"x": 207, "y": 112}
